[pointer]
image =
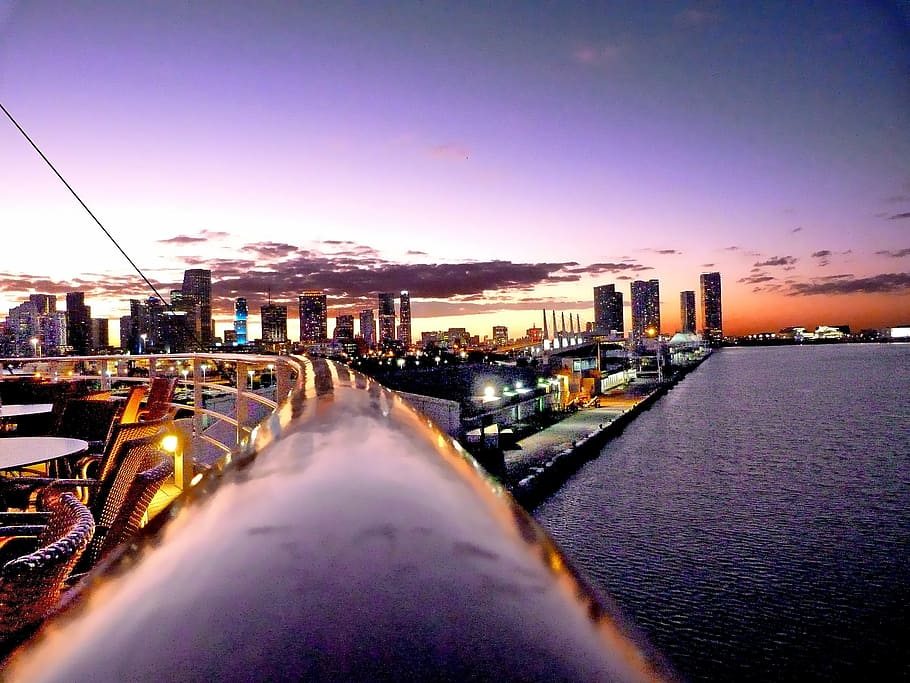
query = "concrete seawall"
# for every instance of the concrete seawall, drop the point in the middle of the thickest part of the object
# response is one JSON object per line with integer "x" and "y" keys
{"x": 544, "y": 461}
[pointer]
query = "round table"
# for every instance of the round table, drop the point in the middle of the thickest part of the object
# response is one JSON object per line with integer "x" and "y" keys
{"x": 21, "y": 451}
{"x": 20, "y": 409}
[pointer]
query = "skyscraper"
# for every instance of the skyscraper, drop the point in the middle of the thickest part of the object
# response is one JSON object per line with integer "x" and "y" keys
{"x": 404, "y": 319}
{"x": 608, "y": 310}
{"x": 367, "y": 327}
{"x": 386, "y": 317}
{"x": 274, "y": 323}
{"x": 687, "y": 310}
{"x": 240, "y": 316}
{"x": 712, "y": 320}
{"x": 314, "y": 323}
{"x": 196, "y": 300}
{"x": 344, "y": 327}
{"x": 78, "y": 323}
{"x": 645, "y": 310}
{"x": 500, "y": 335}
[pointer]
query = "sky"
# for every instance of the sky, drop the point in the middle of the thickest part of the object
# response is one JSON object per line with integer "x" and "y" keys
{"x": 493, "y": 159}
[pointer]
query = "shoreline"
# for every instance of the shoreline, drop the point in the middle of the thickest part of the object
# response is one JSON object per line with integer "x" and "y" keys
{"x": 545, "y": 460}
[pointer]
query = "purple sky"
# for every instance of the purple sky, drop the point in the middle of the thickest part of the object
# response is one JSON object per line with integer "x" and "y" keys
{"x": 493, "y": 161}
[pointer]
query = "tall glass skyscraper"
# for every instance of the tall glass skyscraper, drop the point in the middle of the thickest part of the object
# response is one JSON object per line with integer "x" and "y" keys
{"x": 608, "y": 310}
{"x": 274, "y": 323}
{"x": 404, "y": 319}
{"x": 386, "y": 317}
{"x": 687, "y": 310}
{"x": 367, "y": 327}
{"x": 645, "y": 309}
{"x": 712, "y": 316}
{"x": 196, "y": 300}
{"x": 314, "y": 322}
{"x": 240, "y": 316}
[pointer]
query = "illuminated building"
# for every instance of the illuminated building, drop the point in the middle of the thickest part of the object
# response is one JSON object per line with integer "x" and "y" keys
{"x": 687, "y": 311}
{"x": 313, "y": 316}
{"x": 344, "y": 328}
{"x": 240, "y": 316}
{"x": 274, "y": 323}
{"x": 500, "y": 335}
{"x": 197, "y": 302}
{"x": 367, "y": 327}
{"x": 386, "y": 317}
{"x": 404, "y": 322}
{"x": 645, "y": 310}
{"x": 608, "y": 310}
{"x": 712, "y": 316}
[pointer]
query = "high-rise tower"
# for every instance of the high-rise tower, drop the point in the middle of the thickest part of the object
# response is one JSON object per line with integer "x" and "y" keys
{"x": 386, "y": 317}
{"x": 687, "y": 310}
{"x": 197, "y": 302}
{"x": 274, "y": 323}
{"x": 240, "y": 316}
{"x": 608, "y": 310}
{"x": 712, "y": 316}
{"x": 645, "y": 310}
{"x": 78, "y": 323}
{"x": 314, "y": 323}
{"x": 404, "y": 319}
{"x": 367, "y": 327}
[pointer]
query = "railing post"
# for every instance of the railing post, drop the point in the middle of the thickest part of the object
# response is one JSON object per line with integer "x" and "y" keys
{"x": 242, "y": 401}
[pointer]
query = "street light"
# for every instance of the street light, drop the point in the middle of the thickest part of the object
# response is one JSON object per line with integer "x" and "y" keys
{"x": 271, "y": 367}
{"x": 203, "y": 367}
{"x": 35, "y": 350}
{"x": 185, "y": 372}
{"x": 250, "y": 373}
{"x": 142, "y": 338}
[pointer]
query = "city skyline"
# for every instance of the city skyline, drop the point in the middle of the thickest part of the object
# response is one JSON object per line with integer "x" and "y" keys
{"x": 493, "y": 162}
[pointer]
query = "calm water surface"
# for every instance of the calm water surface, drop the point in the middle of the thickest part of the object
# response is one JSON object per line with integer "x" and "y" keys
{"x": 756, "y": 521}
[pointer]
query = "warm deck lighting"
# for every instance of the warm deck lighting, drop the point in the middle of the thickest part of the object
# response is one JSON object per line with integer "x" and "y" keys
{"x": 170, "y": 442}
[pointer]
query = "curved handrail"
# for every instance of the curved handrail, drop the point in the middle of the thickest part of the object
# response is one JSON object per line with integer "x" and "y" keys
{"x": 349, "y": 539}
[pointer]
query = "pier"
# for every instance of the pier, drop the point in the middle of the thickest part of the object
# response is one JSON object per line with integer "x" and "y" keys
{"x": 541, "y": 462}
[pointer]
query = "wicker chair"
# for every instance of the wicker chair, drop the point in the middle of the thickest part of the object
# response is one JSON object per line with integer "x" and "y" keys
{"x": 30, "y": 585}
{"x": 89, "y": 419}
{"x": 133, "y": 403}
{"x": 121, "y": 506}
{"x": 158, "y": 404}
{"x": 96, "y": 471}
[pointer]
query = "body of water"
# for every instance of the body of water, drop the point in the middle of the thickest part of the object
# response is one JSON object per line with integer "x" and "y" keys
{"x": 755, "y": 523}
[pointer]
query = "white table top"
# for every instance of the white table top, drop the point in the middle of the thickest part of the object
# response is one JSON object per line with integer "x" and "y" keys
{"x": 20, "y": 451}
{"x": 20, "y": 409}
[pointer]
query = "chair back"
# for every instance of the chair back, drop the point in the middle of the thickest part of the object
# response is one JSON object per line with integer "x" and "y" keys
{"x": 159, "y": 400}
{"x": 131, "y": 406}
{"x": 115, "y": 451}
{"x": 88, "y": 419}
{"x": 119, "y": 515}
{"x": 30, "y": 585}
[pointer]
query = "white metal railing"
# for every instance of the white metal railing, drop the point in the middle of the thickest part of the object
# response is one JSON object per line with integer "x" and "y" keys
{"x": 236, "y": 391}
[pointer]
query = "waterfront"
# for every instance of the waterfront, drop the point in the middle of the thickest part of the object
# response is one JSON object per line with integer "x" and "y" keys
{"x": 753, "y": 522}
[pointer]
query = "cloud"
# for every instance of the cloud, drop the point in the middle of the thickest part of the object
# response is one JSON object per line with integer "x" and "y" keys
{"x": 413, "y": 252}
{"x": 203, "y": 236}
{"x": 598, "y": 268}
{"x": 451, "y": 152}
{"x": 777, "y": 261}
{"x": 885, "y": 283}
{"x": 822, "y": 253}
{"x": 897, "y": 199}
{"x": 706, "y": 265}
{"x": 757, "y": 279}
{"x": 593, "y": 54}
{"x": 897, "y": 253}
{"x": 732, "y": 248}
{"x": 663, "y": 251}
{"x": 899, "y": 216}
{"x": 796, "y": 230}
